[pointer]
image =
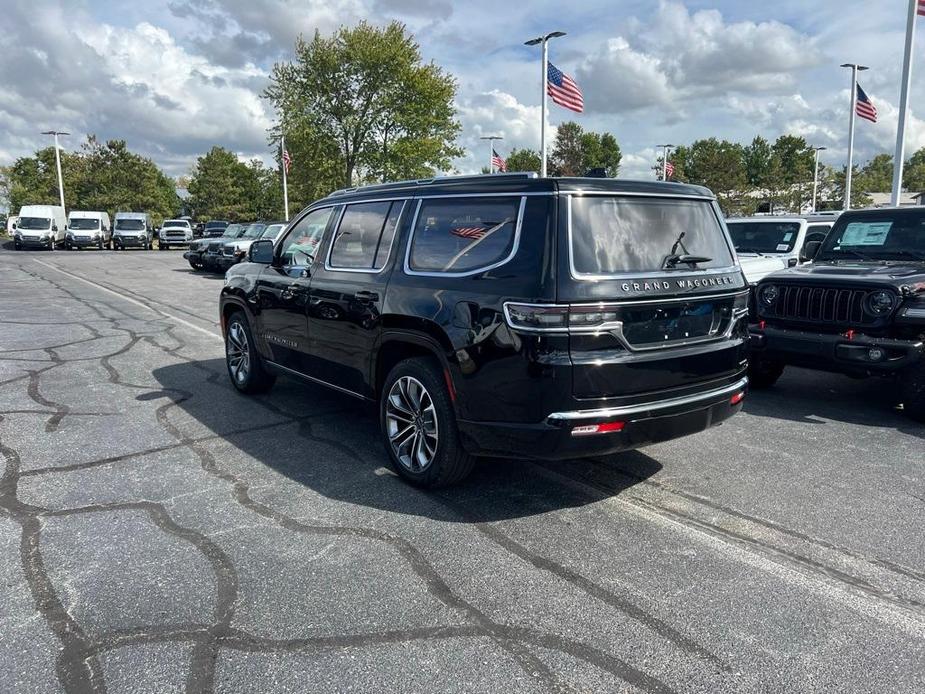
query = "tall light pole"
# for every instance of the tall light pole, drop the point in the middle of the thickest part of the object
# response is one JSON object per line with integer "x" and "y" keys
{"x": 900, "y": 151}
{"x": 816, "y": 176}
{"x": 491, "y": 150}
{"x": 532, "y": 42}
{"x": 855, "y": 69}
{"x": 665, "y": 150}
{"x": 58, "y": 163}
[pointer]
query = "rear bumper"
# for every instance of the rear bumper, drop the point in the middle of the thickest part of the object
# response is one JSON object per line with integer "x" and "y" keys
{"x": 643, "y": 424}
{"x": 828, "y": 352}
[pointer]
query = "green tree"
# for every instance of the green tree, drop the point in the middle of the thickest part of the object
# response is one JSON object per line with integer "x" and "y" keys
{"x": 757, "y": 158}
{"x": 718, "y": 165}
{"x": 859, "y": 197}
{"x": 523, "y": 160}
{"x": 34, "y": 180}
{"x": 914, "y": 172}
{"x": 575, "y": 151}
{"x": 360, "y": 106}
{"x": 876, "y": 176}
{"x": 222, "y": 187}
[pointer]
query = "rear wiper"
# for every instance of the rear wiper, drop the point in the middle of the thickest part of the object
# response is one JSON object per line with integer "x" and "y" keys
{"x": 672, "y": 260}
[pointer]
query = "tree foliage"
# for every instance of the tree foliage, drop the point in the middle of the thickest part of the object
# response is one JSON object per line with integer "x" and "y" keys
{"x": 101, "y": 176}
{"x": 223, "y": 187}
{"x": 523, "y": 160}
{"x": 361, "y": 106}
{"x": 576, "y": 151}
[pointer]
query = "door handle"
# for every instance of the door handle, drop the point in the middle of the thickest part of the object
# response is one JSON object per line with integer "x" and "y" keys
{"x": 366, "y": 297}
{"x": 288, "y": 292}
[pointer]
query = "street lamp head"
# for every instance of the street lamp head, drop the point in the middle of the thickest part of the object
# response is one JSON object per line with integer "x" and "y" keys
{"x": 554, "y": 34}
{"x": 859, "y": 67}
{"x": 533, "y": 42}
{"x": 819, "y": 149}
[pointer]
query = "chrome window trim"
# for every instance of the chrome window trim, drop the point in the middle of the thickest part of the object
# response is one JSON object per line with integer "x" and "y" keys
{"x": 367, "y": 271}
{"x": 510, "y": 194}
{"x": 642, "y": 276}
{"x": 637, "y": 194}
{"x": 468, "y": 273}
{"x": 559, "y": 418}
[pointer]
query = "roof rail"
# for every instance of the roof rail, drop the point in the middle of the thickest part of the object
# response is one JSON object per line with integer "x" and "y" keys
{"x": 435, "y": 179}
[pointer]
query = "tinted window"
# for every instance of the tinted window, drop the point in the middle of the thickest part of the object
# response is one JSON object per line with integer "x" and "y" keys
{"x": 84, "y": 223}
{"x": 463, "y": 234}
{"x": 34, "y": 223}
{"x": 130, "y": 224}
{"x": 365, "y": 235}
{"x": 763, "y": 237}
{"x": 301, "y": 243}
{"x": 612, "y": 235}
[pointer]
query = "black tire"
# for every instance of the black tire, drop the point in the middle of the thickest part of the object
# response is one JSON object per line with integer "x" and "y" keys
{"x": 17, "y": 246}
{"x": 449, "y": 462}
{"x": 100, "y": 244}
{"x": 248, "y": 375}
{"x": 195, "y": 266}
{"x": 763, "y": 373}
{"x": 913, "y": 392}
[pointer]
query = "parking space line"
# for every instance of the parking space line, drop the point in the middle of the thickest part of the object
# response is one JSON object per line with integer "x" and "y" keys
{"x": 169, "y": 316}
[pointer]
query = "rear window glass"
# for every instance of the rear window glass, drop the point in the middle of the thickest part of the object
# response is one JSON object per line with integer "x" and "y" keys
{"x": 764, "y": 237}
{"x": 365, "y": 235}
{"x": 463, "y": 234}
{"x": 616, "y": 235}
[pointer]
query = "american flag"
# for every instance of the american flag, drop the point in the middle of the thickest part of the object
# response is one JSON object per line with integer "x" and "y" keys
{"x": 469, "y": 232}
{"x": 497, "y": 161}
{"x": 669, "y": 167}
{"x": 287, "y": 160}
{"x": 563, "y": 89}
{"x": 921, "y": 8}
{"x": 864, "y": 107}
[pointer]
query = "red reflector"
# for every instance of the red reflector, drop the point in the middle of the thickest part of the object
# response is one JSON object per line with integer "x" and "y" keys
{"x": 761, "y": 324}
{"x": 849, "y": 334}
{"x": 589, "y": 429}
{"x": 737, "y": 398}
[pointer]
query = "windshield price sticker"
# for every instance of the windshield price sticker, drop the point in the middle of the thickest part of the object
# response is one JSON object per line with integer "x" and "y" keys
{"x": 788, "y": 236}
{"x": 866, "y": 233}
{"x": 783, "y": 246}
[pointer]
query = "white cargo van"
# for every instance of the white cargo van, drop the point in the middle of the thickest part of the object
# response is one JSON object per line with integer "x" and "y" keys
{"x": 132, "y": 229}
{"x": 88, "y": 229}
{"x": 40, "y": 226}
{"x": 11, "y": 224}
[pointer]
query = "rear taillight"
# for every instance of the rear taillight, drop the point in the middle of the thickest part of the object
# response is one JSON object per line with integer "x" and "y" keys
{"x": 592, "y": 429}
{"x": 737, "y": 398}
{"x": 559, "y": 318}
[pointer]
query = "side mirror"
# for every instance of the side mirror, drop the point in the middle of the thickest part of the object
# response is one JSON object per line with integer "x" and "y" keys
{"x": 54, "y": 227}
{"x": 261, "y": 251}
{"x": 810, "y": 249}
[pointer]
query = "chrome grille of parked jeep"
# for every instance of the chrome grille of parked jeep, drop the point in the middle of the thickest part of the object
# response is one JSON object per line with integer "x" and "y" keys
{"x": 820, "y": 305}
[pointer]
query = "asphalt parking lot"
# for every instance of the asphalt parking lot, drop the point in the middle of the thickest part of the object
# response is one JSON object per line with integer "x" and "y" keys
{"x": 161, "y": 533}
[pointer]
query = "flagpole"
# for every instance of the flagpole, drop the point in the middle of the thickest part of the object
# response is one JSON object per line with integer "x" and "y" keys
{"x": 665, "y": 149}
{"x": 491, "y": 150}
{"x": 900, "y": 152}
{"x": 543, "y": 111}
{"x": 855, "y": 68}
{"x": 282, "y": 150}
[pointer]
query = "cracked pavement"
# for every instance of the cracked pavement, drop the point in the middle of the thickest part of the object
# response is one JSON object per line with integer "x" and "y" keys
{"x": 161, "y": 533}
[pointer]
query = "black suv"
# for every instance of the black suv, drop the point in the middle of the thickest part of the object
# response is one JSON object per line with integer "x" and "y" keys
{"x": 858, "y": 309}
{"x": 501, "y": 315}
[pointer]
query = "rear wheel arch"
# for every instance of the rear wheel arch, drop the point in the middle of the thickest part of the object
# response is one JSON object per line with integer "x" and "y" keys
{"x": 397, "y": 345}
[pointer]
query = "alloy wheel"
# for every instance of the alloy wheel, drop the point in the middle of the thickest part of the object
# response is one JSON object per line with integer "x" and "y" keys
{"x": 411, "y": 424}
{"x": 239, "y": 360}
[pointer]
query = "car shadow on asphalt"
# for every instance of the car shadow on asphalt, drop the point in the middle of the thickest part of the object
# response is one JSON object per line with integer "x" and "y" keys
{"x": 354, "y": 468}
{"x": 812, "y": 397}
{"x": 199, "y": 273}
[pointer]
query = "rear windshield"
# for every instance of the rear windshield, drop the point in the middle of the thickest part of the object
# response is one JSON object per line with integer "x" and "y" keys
{"x": 34, "y": 223}
{"x": 130, "y": 224}
{"x": 764, "y": 237}
{"x": 216, "y": 225}
{"x": 890, "y": 235}
{"x": 618, "y": 235}
{"x": 84, "y": 223}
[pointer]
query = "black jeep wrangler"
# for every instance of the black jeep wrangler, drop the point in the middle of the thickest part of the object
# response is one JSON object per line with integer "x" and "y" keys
{"x": 502, "y": 315}
{"x": 858, "y": 309}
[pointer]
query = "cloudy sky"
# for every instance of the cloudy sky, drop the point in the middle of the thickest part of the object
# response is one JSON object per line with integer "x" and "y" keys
{"x": 174, "y": 77}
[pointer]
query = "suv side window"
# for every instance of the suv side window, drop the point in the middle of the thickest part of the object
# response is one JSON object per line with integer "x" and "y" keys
{"x": 301, "y": 243}
{"x": 459, "y": 235}
{"x": 364, "y": 236}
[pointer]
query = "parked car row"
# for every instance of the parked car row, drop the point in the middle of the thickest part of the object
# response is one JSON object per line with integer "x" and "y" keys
{"x": 218, "y": 253}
